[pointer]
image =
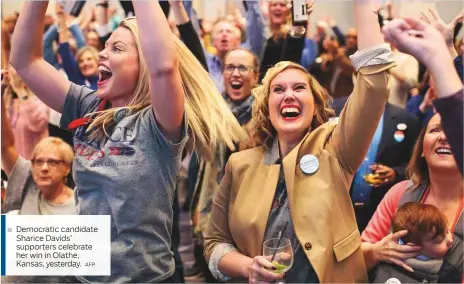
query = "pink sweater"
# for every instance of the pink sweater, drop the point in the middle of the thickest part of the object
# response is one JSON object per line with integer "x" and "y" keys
{"x": 379, "y": 225}
{"x": 29, "y": 121}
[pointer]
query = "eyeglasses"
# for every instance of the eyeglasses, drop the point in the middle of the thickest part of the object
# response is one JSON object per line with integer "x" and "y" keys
{"x": 52, "y": 163}
{"x": 242, "y": 69}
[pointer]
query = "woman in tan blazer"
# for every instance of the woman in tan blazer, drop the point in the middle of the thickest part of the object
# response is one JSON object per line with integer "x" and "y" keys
{"x": 302, "y": 173}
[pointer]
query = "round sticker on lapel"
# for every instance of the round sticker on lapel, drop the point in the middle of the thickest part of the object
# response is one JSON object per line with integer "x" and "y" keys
{"x": 398, "y": 136}
{"x": 393, "y": 281}
{"x": 401, "y": 126}
{"x": 309, "y": 164}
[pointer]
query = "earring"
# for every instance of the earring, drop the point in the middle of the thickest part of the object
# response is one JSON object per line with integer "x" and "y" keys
{"x": 422, "y": 155}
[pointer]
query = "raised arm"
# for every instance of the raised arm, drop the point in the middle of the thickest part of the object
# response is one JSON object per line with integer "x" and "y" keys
{"x": 48, "y": 53}
{"x": 102, "y": 26}
{"x": 363, "y": 110}
{"x": 9, "y": 153}
{"x": 26, "y": 57}
{"x": 447, "y": 30}
{"x": 166, "y": 84}
{"x": 336, "y": 30}
{"x": 295, "y": 40}
{"x": 431, "y": 49}
{"x": 69, "y": 64}
{"x": 255, "y": 28}
{"x": 369, "y": 34}
{"x": 310, "y": 52}
{"x": 187, "y": 31}
{"x": 78, "y": 34}
{"x": 192, "y": 15}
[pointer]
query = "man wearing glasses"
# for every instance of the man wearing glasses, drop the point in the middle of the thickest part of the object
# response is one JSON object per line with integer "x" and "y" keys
{"x": 241, "y": 73}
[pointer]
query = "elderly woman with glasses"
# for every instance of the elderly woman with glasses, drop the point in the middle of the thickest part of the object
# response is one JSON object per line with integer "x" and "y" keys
{"x": 37, "y": 187}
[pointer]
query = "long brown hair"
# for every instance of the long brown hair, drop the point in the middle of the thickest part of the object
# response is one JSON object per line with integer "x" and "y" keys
{"x": 418, "y": 169}
{"x": 262, "y": 130}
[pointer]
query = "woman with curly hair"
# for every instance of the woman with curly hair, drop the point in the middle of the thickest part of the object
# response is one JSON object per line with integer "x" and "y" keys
{"x": 301, "y": 173}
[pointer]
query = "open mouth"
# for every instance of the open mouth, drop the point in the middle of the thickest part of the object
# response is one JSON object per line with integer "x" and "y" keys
{"x": 105, "y": 74}
{"x": 277, "y": 15}
{"x": 290, "y": 112}
{"x": 443, "y": 151}
{"x": 235, "y": 85}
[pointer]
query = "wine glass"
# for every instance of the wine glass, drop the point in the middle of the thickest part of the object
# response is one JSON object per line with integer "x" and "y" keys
{"x": 282, "y": 252}
{"x": 371, "y": 176}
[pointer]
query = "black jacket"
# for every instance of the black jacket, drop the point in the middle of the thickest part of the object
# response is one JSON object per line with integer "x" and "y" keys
{"x": 391, "y": 153}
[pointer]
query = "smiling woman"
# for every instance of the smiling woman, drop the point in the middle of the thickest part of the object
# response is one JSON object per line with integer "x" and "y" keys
{"x": 294, "y": 115}
{"x": 82, "y": 68}
{"x": 87, "y": 59}
{"x": 130, "y": 134}
{"x": 435, "y": 180}
{"x": 307, "y": 163}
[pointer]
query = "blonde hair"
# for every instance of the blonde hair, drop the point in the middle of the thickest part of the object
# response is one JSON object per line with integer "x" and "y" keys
{"x": 262, "y": 130}
{"x": 84, "y": 49}
{"x": 285, "y": 27}
{"x": 209, "y": 119}
{"x": 54, "y": 143}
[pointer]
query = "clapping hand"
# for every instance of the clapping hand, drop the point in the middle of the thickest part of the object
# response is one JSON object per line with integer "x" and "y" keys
{"x": 447, "y": 30}
{"x": 414, "y": 37}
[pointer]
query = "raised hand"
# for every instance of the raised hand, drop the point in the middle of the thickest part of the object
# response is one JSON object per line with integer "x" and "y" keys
{"x": 430, "y": 95}
{"x": 436, "y": 21}
{"x": 411, "y": 36}
{"x": 309, "y": 7}
{"x": 300, "y": 30}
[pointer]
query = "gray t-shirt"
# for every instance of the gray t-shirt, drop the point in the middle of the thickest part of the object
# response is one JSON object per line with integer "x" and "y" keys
{"x": 22, "y": 194}
{"x": 131, "y": 177}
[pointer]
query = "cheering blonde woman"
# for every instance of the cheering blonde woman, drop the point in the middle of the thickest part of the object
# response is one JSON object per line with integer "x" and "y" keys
{"x": 129, "y": 134}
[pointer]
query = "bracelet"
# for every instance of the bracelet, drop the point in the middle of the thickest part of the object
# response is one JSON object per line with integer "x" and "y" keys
{"x": 293, "y": 34}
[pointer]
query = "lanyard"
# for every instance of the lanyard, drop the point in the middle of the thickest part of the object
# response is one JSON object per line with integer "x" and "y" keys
{"x": 76, "y": 123}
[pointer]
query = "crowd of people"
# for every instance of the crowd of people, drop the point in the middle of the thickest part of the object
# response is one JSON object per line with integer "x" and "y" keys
{"x": 348, "y": 147}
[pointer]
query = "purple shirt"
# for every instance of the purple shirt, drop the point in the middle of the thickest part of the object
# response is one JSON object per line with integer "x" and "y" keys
{"x": 451, "y": 112}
